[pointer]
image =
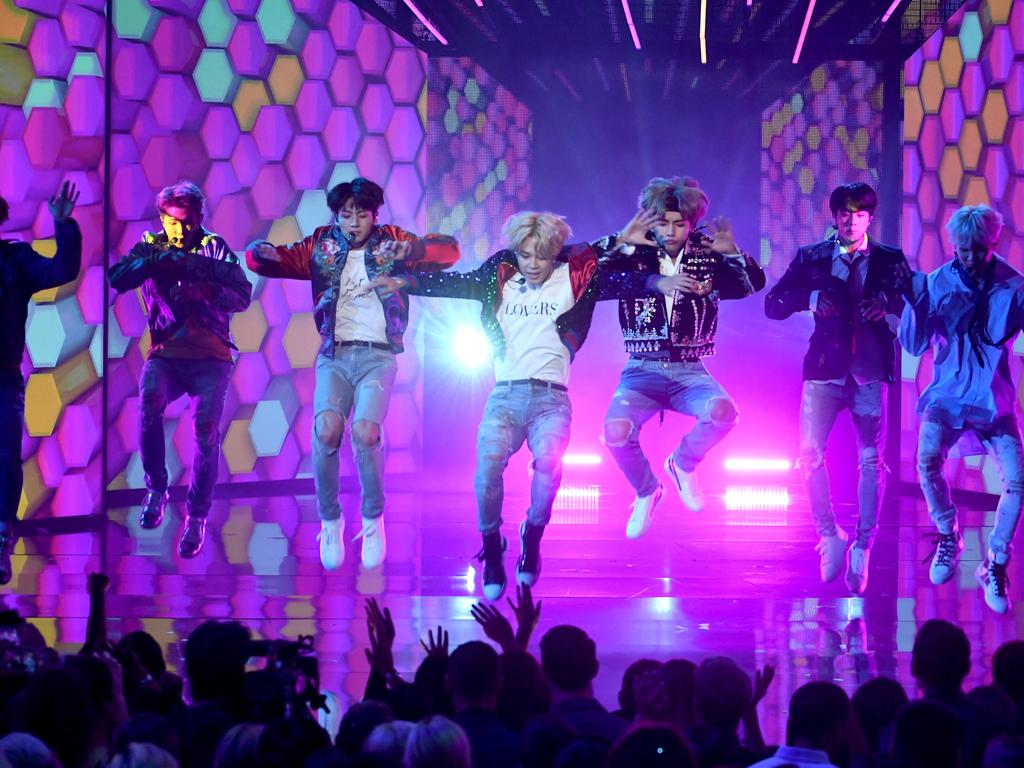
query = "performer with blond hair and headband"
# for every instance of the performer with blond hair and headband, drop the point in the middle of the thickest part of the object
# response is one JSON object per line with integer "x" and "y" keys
{"x": 667, "y": 337}
{"x": 538, "y": 300}
{"x": 967, "y": 312}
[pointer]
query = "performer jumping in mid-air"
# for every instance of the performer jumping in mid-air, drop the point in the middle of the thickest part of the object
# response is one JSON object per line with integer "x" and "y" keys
{"x": 191, "y": 284}
{"x": 850, "y": 282}
{"x": 666, "y": 338}
{"x": 967, "y": 312}
{"x": 22, "y": 273}
{"x": 360, "y": 335}
{"x": 538, "y": 300}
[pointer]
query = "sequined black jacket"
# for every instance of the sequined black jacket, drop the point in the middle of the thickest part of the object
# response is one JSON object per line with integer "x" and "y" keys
{"x": 689, "y": 334}
{"x": 22, "y": 273}
{"x": 591, "y": 281}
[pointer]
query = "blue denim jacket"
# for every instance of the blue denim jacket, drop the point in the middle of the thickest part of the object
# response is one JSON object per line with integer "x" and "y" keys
{"x": 971, "y": 378}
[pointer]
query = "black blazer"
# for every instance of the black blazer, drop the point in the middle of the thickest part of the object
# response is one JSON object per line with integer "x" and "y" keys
{"x": 844, "y": 343}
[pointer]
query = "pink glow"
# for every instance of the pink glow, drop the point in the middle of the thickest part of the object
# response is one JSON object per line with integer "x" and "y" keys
{"x": 803, "y": 31}
{"x": 479, "y": 3}
{"x": 892, "y": 9}
{"x": 756, "y": 497}
{"x": 630, "y": 24}
{"x": 423, "y": 20}
{"x": 581, "y": 459}
{"x": 756, "y": 464}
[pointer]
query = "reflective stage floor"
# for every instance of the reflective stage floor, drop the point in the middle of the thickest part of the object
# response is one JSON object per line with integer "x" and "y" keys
{"x": 741, "y": 583}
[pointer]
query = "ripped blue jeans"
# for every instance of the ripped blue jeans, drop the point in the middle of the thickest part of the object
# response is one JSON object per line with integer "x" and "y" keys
{"x": 819, "y": 406}
{"x": 649, "y": 386}
{"x": 1002, "y": 441}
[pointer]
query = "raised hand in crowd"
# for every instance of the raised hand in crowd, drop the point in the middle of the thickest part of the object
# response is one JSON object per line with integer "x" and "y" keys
{"x": 527, "y": 615}
{"x": 438, "y": 646}
{"x": 752, "y": 736}
{"x": 381, "y": 630}
{"x": 495, "y": 625}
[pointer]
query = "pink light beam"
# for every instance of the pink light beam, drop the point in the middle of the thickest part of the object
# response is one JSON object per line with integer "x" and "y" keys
{"x": 803, "y": 31}
{"x": 426, "y": 22}
{"x": 630, "y": 24}
{"x": 892, "y": 9}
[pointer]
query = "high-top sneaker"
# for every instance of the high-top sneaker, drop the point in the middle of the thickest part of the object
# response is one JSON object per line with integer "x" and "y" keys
{"x": 994, "y": 582}
{"x": 375, "y": 544}
{"x": 948, "y": 547}
{"x": 833, "y": 554}
{"x": 643, "y": 513}
{"x": 332, "y": 545}
{"x": 528, "y": 564}
{"x": 686, "y": 484}
{"x": 192, "y": 537}
{"x": 857, "y": 570}
{"x": 6, "y": 548}
{"x": 152, "y": 513}
{"x": 491, "y": 554}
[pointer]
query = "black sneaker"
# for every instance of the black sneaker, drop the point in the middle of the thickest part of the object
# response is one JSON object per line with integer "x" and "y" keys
{"x": 192, "y": 537}
{"x": 528, "y": 564}
{"x": 945, "y": 556}
{"x": 6, "y": 548}
{"x": 152, "y": 513}
{"x": 994, "y": 582}
{"x": 491, "y": 555}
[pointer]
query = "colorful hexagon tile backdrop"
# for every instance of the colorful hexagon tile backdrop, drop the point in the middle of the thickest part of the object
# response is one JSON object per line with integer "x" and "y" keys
{"x": 963, "y": 127}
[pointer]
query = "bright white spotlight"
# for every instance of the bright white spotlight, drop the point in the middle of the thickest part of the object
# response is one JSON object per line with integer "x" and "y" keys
{"x": 757, "y": 464}
{"x": 756, "y": 498}
{"x": 471, "y": 348}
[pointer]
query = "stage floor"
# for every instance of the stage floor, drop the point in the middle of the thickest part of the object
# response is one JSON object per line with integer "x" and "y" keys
{"x": 731, "y": 582}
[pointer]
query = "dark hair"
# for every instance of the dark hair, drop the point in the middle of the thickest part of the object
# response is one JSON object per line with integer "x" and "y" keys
{"x": 149, "y": 728}
{"x": 814, "y": 709}
{"x": 215, "y": 656}
{"x": 1004, "y": 752}
{"x": 627, "y": 697}
{"x": 680, "y": 678}
{"x": 5, "y": 211}
{"x": 364, "y": 194}
{"x": 182, "y": 194}
{"x": 941, "y": 657}
{"x": 723, "y": 692}
{"x": 288, "y": 741}
{"x": 357, "y": 723}
{"x": 568, "y": 657}
{"x": 524, "y": 691}
{"x": 474, "y": 673}
{"x": 854, "y": 196}
{"x": 145, "y": 646}
{"x": 876, "y": 704}
{"x": 55, "y": 708}
{"x": 1008, "y": 668}
{"x": 927, "y": 734}
{"x": 681, "y": 194}
{"x": 650, "y": 746}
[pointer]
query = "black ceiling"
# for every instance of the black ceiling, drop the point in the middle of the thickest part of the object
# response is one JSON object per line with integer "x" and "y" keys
{"x": 582, "y": 50}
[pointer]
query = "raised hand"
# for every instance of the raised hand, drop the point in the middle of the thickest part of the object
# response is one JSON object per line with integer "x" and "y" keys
{"x": 63, "y": 203}
{"x": 384, "y": 284}
{"x": 97, "y": 583}
{"x": 495, "y": 625}
{"x": 635, "y": 232}
{"x": 527, "y": 615}
{"x": 722, "y": 240}
{"x": 683, "y": 283}
{"x": 381, "y": 630}
{"x": 825, "y": 307}
{"x": 438, "y": 646}
{"x": 762, "y": 682}
{"x": 265, "y": 252}
{"x": 873, "y": 309}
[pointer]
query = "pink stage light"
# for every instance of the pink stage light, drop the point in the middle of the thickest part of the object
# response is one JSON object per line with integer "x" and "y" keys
{"x": 630, "y": 24}
{"x": 581, "y": 459}
{"x": 756, "y": 497}
{"x": 479, "y": 3}
{"x": 803, "y": 31}
{"x": 892, "y": 9}
{"x": 703, "y": 31}
{"x": 754, "y": 464}
{"x": 426, "y": 22}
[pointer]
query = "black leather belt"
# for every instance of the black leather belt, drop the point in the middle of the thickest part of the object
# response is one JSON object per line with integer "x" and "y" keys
{"x": 531, "y": 382}
{"x": 368, "y": 344}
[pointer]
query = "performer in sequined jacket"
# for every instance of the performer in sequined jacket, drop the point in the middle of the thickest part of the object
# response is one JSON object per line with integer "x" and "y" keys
{"x": 667, "y": 337}
{"x": 360, "y": 334}
{"x": 191, "y": 283}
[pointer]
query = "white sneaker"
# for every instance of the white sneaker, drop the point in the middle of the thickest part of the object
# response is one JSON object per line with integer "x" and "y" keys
{"x": 857, "y": 570}
{"x": 833, "y": 554}
{"x": 643, "y": 513}
{"x": 948, "y": 547}
{"x": 375, "y": 543}
{"x": 994, "y": 582}
{"x": 686, "y": 483}
{"x": 332, "y": 547}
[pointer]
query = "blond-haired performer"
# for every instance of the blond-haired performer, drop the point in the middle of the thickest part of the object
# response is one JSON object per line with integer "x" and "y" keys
{"x": 538, "y": 300}
{"x": 667, "y": 337}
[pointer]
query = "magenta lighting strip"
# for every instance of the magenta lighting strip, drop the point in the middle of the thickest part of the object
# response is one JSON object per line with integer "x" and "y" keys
{"x": 426, "y": 22}
{"x": 891, "y": 11}
{"x": 803, "y": 31}
{"x": 630, "y": 24}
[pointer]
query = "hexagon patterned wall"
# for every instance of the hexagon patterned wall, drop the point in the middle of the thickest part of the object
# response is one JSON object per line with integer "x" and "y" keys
{"x": 825, "y": 132}
{"x": 51, "y": 129}
{"x": 266, "y": 105}
{"x": 963, "y": 145}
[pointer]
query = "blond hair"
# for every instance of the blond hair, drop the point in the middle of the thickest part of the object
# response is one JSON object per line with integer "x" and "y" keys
{"x": 549, "y": 230}
{"x": 975, "y": 224}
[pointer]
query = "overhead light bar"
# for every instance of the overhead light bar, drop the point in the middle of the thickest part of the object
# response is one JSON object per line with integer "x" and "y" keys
{"x": 892, "y": 9}
{"x": 703, "y": 31}
{"x": 803, "y": 31}
{"x": 630, "y": 24}
{"x": 756, "y": 464}
{"x": 426, "y": 22}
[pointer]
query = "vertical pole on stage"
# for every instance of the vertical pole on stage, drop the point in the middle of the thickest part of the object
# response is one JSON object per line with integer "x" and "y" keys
{"x": 108, "y": 97}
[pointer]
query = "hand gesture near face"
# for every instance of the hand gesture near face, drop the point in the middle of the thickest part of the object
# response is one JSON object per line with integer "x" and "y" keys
{"x": 63, "y": 203}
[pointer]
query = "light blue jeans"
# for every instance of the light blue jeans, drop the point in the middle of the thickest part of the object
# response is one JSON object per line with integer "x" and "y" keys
{"x": 819, "y": 406}
{"x": 1002, "y": 441}
{"x": 513, "y": 414}
{"x": 649, "y": 386}
{"x": 357, "y": 380}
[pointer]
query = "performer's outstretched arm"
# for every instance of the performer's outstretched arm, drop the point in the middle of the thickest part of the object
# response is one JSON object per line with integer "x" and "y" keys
{"x": 219, "y": 273}
{"x": 789, "y": 295}
{"x": 915, "y": 331}
{"x": 286, "y": 261}
{"x": 64, "y": 266}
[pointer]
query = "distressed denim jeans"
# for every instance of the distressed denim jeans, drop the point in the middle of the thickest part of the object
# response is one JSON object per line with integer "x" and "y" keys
{"x": 357, "y": 380}
{"x": 649, "y": 386}
{"x": 513, "y": 414}
{"x": 1002, "y": 441}
{"x": 820, "y": 404}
